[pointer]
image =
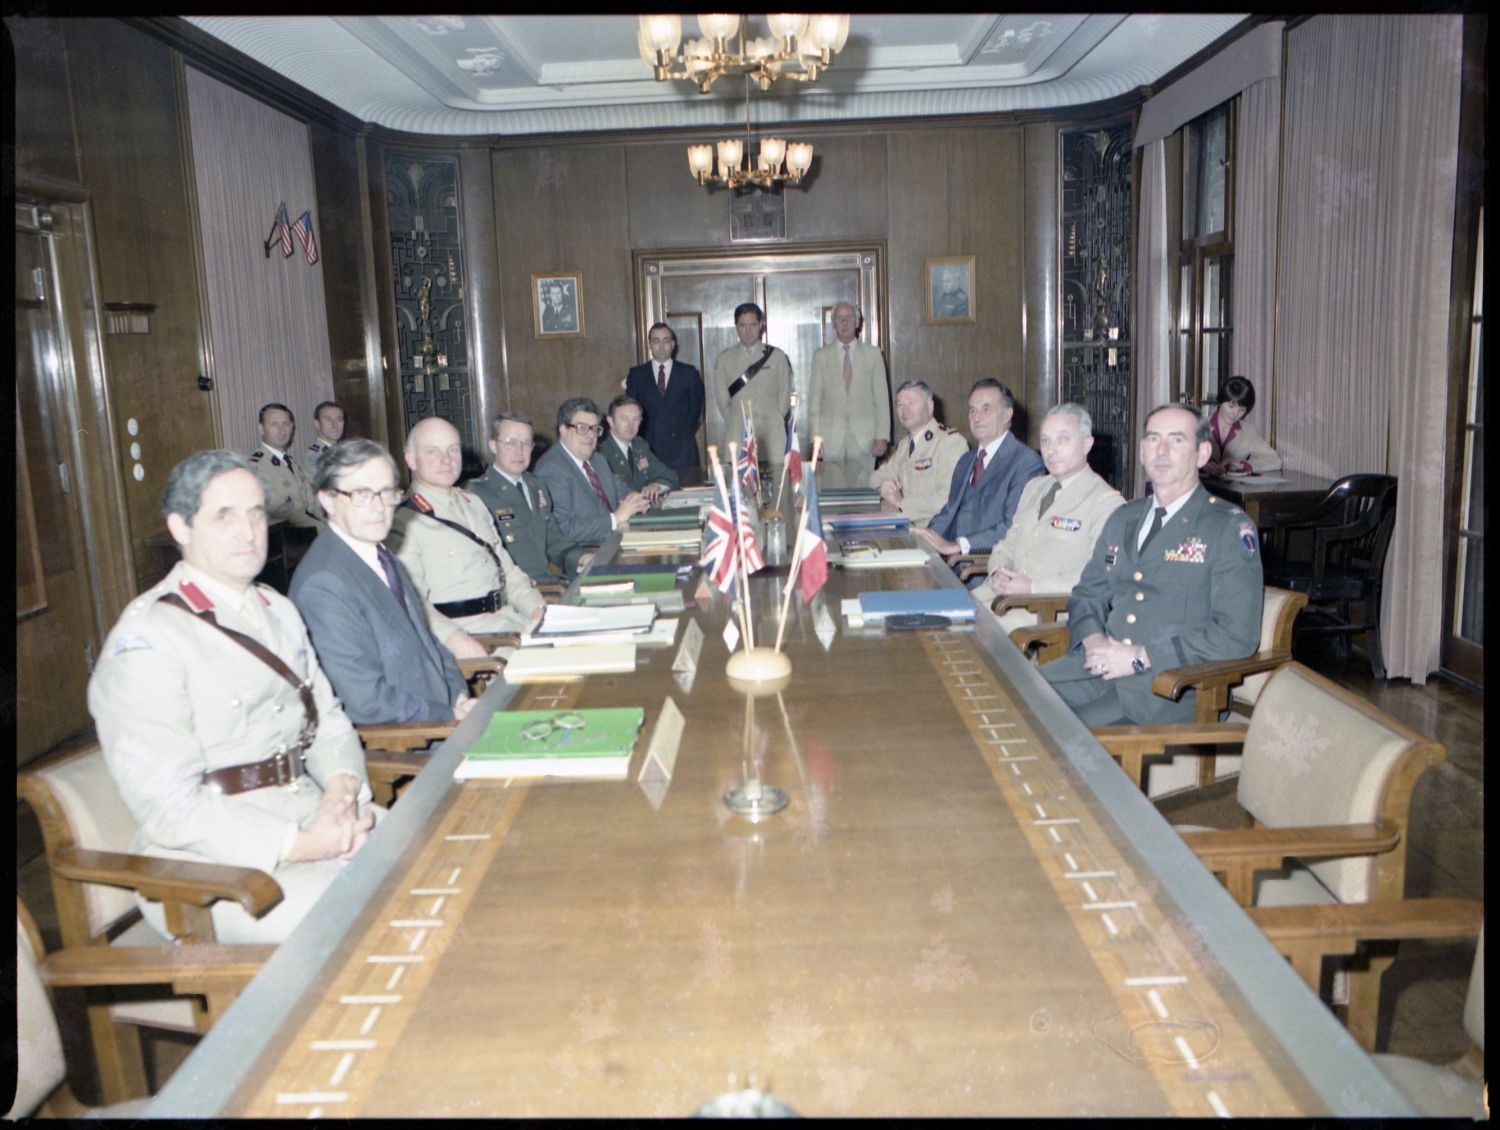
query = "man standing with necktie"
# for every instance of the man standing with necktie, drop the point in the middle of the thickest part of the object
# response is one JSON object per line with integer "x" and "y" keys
{"x": 588, "y": 498}
{"x": 1174, "y": 579}
{"x": 367, "y": 619}
{"x": 670, "y": 393}
{"x": 849, "y": 403}
{"x": 987, "y": 482}
{"x": 1057, "y": 520}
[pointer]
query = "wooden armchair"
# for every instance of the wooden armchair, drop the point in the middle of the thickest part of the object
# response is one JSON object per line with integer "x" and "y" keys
{"x": 215, "y": 972}
{"x": 1045, "y": 640}
{"x": 1306, "y": 935}
{"x": 1326, "y": 788}
{"x": 86, "y": 833}
{"x": 969, "y": 565}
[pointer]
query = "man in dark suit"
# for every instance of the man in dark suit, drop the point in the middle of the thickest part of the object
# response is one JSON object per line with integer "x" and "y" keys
{"x": 521, "y": 504}
{"x": 631, "y": 457}
{"x": 588, "y": 498}
{"x": 364, "y": 615}
{"x": 987, "y": 481}
{"x": 670, "y": 393}
{"x": 1175, "y": 578}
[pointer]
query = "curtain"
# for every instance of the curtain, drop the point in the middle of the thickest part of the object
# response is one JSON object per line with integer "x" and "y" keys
{"x": 1257, "y": 164}
{"x": 1154, "y": 267}
{"x": 268, "y": 318}
{"x": 1368, "y": 180}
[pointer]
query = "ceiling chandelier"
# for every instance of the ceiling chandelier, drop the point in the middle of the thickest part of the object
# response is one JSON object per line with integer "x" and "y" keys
{"x": 776, "y": 162}
{"x": 799, "y": 48}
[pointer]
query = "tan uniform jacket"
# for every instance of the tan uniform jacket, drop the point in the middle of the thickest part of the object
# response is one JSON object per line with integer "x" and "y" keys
{"x": 289, "y": 494}
{"x": 1053, "y": 549}
{"x": 445, "y": 565}
{"x": 922, "y": 466}
{"x": 174, "y": 698}
{"x": 849, "y": 422}
{"x": 770, "y": 395}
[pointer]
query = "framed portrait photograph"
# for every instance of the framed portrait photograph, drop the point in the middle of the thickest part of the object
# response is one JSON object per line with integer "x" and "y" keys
{"x": 950, "y": 290}
{"x": 557, "y": 303}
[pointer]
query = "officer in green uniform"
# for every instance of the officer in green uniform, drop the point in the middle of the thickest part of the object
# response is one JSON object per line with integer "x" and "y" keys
{"x": 630, "y": 456}
{"x": 1175, "y": 578}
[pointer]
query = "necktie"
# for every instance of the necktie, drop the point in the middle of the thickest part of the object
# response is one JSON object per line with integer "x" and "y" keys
{"x": 594, "y": 482}
{"x": 1048, "y": 497}
{"x": 525, "y": 495}
{"x": 392, "y": 577}
{"x": 848, "y": 372}
{"x": 1161, "y": 512}
{"x": 661, "y": 379}
{"x": 978, "y": 469}
{"x": 911, "y": 447}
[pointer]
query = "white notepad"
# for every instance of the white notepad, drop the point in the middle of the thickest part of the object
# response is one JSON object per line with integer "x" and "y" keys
{"x": 538, "y": 664}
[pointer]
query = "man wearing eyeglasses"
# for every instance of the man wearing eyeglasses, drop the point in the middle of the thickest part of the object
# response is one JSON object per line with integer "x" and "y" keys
{"x": 449, "y": 544}
{"x": 588, "y": 498}
{"x": 522, "y": 505}
{"x": 366, "y": 617}
{"x": 670, "y": 393}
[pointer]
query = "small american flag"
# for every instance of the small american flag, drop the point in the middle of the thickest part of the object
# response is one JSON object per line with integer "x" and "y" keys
{"x": 282, "y": 231}
{"x": 302, "y": 229}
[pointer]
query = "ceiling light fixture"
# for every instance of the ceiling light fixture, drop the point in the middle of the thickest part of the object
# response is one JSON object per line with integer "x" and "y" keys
{"x": 776, "y": 162}
{"x": 799, "y": 48}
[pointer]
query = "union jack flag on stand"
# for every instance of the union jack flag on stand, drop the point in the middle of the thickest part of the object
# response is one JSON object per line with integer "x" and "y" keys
{"x": 302, "y": 229}
{"x": 280, "y": 230}
{"x": 793, "y": 455}
{"x": 747, "y": 466}
{"x": 812, "y": 552}
{"x": 717, "y": 558}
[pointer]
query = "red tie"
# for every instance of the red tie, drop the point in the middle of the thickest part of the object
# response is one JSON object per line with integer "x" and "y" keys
{"x": 594, "y": 482}
{"x": 978, "y": 469}
{"x": 661, "y": 379}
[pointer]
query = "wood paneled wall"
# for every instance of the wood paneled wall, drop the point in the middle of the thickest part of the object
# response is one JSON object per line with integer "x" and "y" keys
{"x": 929, "y": 192}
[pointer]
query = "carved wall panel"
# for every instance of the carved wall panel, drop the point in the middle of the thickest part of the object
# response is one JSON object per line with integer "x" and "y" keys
{"x": 1095, "y": 258}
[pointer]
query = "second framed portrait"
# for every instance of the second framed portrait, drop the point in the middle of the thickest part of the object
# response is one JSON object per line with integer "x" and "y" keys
{"x": 557, "y": 304}
{"x": 950, "y": 290}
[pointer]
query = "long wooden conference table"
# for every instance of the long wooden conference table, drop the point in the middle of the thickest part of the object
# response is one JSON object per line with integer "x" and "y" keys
{"x": 965, "y": 909}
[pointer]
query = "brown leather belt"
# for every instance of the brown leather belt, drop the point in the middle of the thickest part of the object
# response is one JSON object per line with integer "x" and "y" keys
{"x": 491, "y": 601}
{"x": 281, "y": 768}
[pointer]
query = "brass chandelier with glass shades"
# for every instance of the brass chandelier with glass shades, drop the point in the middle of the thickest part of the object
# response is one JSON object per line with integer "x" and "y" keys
{"x": 800, "y": 48}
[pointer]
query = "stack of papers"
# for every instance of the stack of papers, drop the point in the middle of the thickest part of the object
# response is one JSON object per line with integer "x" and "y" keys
{"x": 685, "y": 497}
{"x": 661, "y": 634}
{"x": 954, "y": 604}
{"x": 661, "y": 540}
{"x": 839, "y": 500}
{"x": 678, "y": 519}
{"x": 593, "y": 744}
{"x": 547, "y": 664}
{"x": 561, "y": 620}
{"x": 877, "y": 558}
{"x": 868, "y": 520}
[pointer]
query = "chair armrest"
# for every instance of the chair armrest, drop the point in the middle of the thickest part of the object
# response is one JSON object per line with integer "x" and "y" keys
{"x": 551, "y": 591}
{"x": 492, "y": 640}
{"x": 488, "y": 665}
{"x": 1147, "y": 739}
{"x": 170, "y": 880}
{"x": 399, "y": 737}
{"x": 84, "y": 966}
{"x": 1240, "y": 853}
{"x": 1172, "y": 682}
{"x": 1431, "y": 918}
{"x": 968, "y": 565}
{"x": 389, "y": 766}
{"x": 1046, "y": 605}
{"x": 1047, "y": 641}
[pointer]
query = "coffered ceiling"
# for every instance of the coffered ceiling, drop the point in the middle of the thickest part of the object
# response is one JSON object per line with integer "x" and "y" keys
{"x": 509, "y": 75}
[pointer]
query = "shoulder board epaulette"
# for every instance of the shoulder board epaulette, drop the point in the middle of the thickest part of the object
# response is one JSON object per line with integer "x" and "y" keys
{"x": 257, "y": 455}
{"x": 260, "y": 591}
{"x": 420, "y": 503}
{"x": 194, "y": 596}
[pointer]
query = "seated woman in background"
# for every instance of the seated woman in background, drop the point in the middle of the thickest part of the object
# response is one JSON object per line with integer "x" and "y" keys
{"x": 1238, "y": 447}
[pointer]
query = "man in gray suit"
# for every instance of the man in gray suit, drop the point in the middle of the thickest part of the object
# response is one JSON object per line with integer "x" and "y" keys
{"x": 588, "y": 498}
{"x": 1175, "y": 578}
{"x": 363, "y": 612}
{"x": 987, "y": 482}
{"x": 631, "y": 457}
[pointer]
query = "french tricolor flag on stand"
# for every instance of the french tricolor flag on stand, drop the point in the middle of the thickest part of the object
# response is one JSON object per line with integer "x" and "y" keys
{"x": 812, "y": 552}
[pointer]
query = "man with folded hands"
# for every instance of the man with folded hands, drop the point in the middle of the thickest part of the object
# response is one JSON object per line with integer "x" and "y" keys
{"x": 452, "y": 550}
{"x": 218, "y": 725}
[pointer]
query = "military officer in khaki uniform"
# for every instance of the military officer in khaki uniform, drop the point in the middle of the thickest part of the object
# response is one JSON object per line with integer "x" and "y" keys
{"x": 1058, "y": 519}
{"x": 328, "y": 421}
{"x": 217, "y": 755}
{"x": 768, "y": 389}
{"x": 1175, "y": 578}
{"x": 915, "y": 478}
{"x": 849, "y": 403}
{"x": 289, "y": 496}
{"x": 630, "y": 456}
{"x": 449, "y": 544}
{"x": 521, "y": 504}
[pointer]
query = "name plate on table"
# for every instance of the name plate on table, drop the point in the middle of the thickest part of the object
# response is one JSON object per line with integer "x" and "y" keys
{"x": 661, "y": 755}
{"x": 692, "y": 647}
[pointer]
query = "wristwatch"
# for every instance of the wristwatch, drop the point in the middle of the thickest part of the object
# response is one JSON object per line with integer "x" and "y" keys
{"x": 1138, "y": 663}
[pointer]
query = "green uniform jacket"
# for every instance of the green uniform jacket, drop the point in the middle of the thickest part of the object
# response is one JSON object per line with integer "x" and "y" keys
{"x": 532, "y": 535}
{"x": 642, "y": 467}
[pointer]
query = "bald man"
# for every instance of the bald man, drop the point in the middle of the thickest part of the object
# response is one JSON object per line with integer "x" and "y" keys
{"x": 452, "y": 549}
{"x": 849, "y": 403}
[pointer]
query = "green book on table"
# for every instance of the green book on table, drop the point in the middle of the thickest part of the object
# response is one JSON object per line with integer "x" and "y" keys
{"x": 639, "y": 583}
{"x": 667, "y": 520}
{"x": 595, "y": 744}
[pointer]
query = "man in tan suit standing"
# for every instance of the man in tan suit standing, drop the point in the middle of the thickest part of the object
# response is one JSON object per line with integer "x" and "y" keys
{"x": 849, "y": 403}
{"x": 1057, "y": 522}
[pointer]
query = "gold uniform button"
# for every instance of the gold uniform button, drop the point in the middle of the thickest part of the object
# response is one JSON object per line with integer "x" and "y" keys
{"x": 1130, "y": 618}
{"x": 1136, "y": 576}
{"x": 1140, "y": 596}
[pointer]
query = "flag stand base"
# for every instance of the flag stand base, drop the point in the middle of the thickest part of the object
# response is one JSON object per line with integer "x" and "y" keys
{"x": 758, "y": 665}
{"x": 755, "y": 802}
